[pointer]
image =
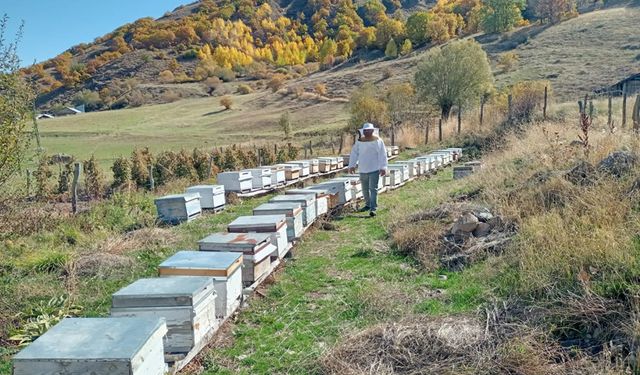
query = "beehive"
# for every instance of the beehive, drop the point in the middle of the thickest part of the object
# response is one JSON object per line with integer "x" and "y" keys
{"x": 389, "y": 151}
{"x": 274, "y": 225}
{"x": 237, "y": 181}
{"x": 314, "y": 166}
{"x": 224, "y": 268}
{"x": 260, "y": 178}
{"x": 255, "y": 247}
{"x": 324, "y": 198}
{"x": 291, "y": 171}
{"x": 356, "y": 186}
{"x": 403, "y": 168}
{"x": 411, "y": 165}
{"x": 340, "y": 162}
{"x": 327, "y": 164}
{"x": 395, "y": 150}
{"x": 445, "y": 155}
{"x": 187, "y": 304}
{"x": 345, "y": 159}
{"x": 304, "y": 165}
{"x": 211, "y": 196}
{"x": 293, "y": 212}
{"x": 457, "y": 153}
{"x": 177, "y": 208}
{"x": 393, "y": 177}
{"x": 342, "y": 187}
{"x": 99, "y": 346}
{"x": 307, "y": 201}
{"x": 421, "y": 166}
{"x": 380, "y": 180}
{"x": 278, "y": 177}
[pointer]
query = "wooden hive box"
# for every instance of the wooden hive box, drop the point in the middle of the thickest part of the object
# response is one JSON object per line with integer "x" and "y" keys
{"x": 403, "y": 168}
{"x": 293, "y": 212}
{"x": 324, "y": 198}
{"x": 274, "y": 225}
{"x": 307, "y": 201}
{"x": 342, "y": 187}
{"x": 314, "y": 165}
{"x": 237, "y": 181}
{"x": 331, "y": 192}
{"x": 412, "y": 165}
{"x": 356, "y": 186}
{"x": 340, "y": 162}
{"x": 187, "y": 304}
{"x": 325, "y": 164}
{"x": 421, "y": 166}
{"x": 445, "y": 155}
{"x": 304, "y": 165}
{"x": 224, "y": 268}
{"x": 389, "y": 151}
{"x": 395, "y": 150}
{"x": 178, "y": 208}
{"x": 256, "y": 249}
{"x": 261, "y": 178}
{"x": 97, "y": 346}
{"x": 393, "y": 177}
{"x": 457, "y": 152}
{"x": 211, "y": 196}
{"x": 278, "y": 177}
{"x": 291, "y": 171}
{"x": 345, "y": 159}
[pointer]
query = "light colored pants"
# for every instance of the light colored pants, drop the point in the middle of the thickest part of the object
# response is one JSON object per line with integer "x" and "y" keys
{"x": 370, "y": 188}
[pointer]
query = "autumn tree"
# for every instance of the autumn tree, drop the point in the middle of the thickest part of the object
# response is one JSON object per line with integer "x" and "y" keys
{"x": 501, "y": 15}
{"x": 391, "y": 51}
{"x": 555, "y": 11}
{"x": 373, "y": 12}
{"x": 16, "y": 103}
{"x": 387, "y": 30}
{"x": 417, "y": 27}
{"x": 453, "y": 75}
{"x": 406, "y": 48}
{"x": 285, "y": 125}
{"x": 365, "y": 106}
{"x": 226, "y": 102}
{"x": 398, "y": 99}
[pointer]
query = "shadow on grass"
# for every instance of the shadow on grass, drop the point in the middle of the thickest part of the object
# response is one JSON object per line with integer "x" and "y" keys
{"x": 214, "y": 112}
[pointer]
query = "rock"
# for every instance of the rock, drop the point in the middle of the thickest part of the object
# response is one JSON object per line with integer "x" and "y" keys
{"x": 465, "y": 224}
{"x": 484, "y": 216}
{"x": 482, "y": 230}
{"x": 442, "y": 277}
{"x": 617, "y": 164}
{"x": 582, "y": 174}
{"x": 496, "y": 222}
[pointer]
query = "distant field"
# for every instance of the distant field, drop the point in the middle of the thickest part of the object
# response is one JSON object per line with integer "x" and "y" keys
{"x": 188, "y": 123}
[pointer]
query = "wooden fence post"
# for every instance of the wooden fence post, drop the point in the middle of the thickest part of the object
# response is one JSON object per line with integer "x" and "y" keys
{"x": 426, "y": 134}
{"x": 310, "y": 148}
{"x": 305, "y": 150}
{"x": 580, "y": 107}
{"x": 440, "y": 130}
{"x": 624, "y": 105}
{"x": 210, "y": 166}
{"x": 28, "y": 182}
{"x": 74, "y": 187}
{"x": 459, "y": 119}
{"x": 275, "y": 150}
{"x": 152, "y": 181}
{"x": 482, "y": 100}
{"x": 544, "y": 106}
{"x": 609, "y": 110}
{"x": 341, "y": 142}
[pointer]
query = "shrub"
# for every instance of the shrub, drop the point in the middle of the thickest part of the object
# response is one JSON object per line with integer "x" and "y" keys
{"x": 267, "y": 155}
{"x": 296, "y": 90}
{"x": 212, "y": 84}
{"x": 276, "y": 82}
{"x": 392, "y": 49}
{"x": 527, "y": 97}
{"x": 167, "y": 76}
{"x": 201, "y": 161}
{"x": 184, "y": 166}
{"x": 190, "y": 54}
{"x": 164, "y": 167}
{"x": 170, "y": 96}
{"x": 90, "y": 99}
{"x": 225, "y": 74}
{"x": 226, "y": 102}
{"x": 501, "y": 15}
{"x": 285, "y": 125}
{"x": 42, "y": 175}
{"x": 141, "y": 159}
{"x": 244, "y": 89}
{"x": 121, "y": 173}
{"x": 230, "y": 162}
{"x": 407, "y": 47}
{"x": 292, "y": 152}
{"x": 281, "y": 156}
{"x": 320, "y": 89}
{"x": 387, "y": 73}
{"x": 555, "y": 11}
{"x": 508, "y": 60}
{"x": 65, "y": 178}
{"x": 94, "y": 180}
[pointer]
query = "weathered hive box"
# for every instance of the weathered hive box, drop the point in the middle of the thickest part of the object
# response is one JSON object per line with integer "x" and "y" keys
{"x": 404, "y": 170}
{"x": 356, "y": 186}
{"x": 436, "y": 161}
{"x": 324, "y": 198}
{"x": 211, "y": 196}
{"x": 291, "y": 171}
{"x": 255, "y": 247}
{"x": 395, "y": 150}
{"x": 304, "y": 165}
{"x": 100, "y": 346}
{"x": 307, "y": 201}
{"x": 274, "y": 225}
{"x": 421, "y": 166}
{"x": 340, "y": 162}
{"x": 345, "y": 159}
{"x": 237, "y": 181}
{"x": 278, "y": 177}
{"x": 446, "y": 156}
{"x": 261, "y": 178}
{"x": 476, "y": 165}
{"x": 462, "y": 171}
{"x": 429, "y": 162}
{"x": 224, "y": 268}
{"x": 178, "y": 208}
{"x": 457, "y": 152}
{"x": 412, "y": 166}
{"x": 293, "y": 212}
{"x": 343, "y": 188}
{"x": 187, "y": 304}
{"x": 389, "y": 151}
{"x": 327, "y": 164}
{"x": 314, "y": 165}
{"x": 393, "y": 177}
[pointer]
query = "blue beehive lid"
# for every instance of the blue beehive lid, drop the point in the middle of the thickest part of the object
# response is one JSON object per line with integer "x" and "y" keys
{"x": 201, "y": 263}
{"x": 163, "y": 291}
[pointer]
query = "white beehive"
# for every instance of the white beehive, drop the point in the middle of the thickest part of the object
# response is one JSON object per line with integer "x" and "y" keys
{"x": 327, "y": 164}
{"x": 224, "y": 268}
{"x": 255, "y": 247}
{"x": 356, "y": 185}
{"x": 293, "y": 212}
{"x": 421, "y": 166}
{"x": 324, "y": 199}
{"x": 187, "y": 304}
{"x": 278, "y": 177}
{"x": 274, "y": 225}
{"x": 237, "y": 181}
{"x": 412, "y": 166}
{"x": 457, "y": 152}
{"x": 291, "y": 171}
{"x": 446, "y": 156}
{"x": 304, "y": 165}
{"x": 178, "y": 208}
{"x": 307, "y": 201}
{"x": 261, "y": 178}
{"x": 97, "y": 346}
{"x": 211, "y": 196}
{"x": 395, "y": 150}
{"x": 314, "y": 165}
{"x": 404, "y": 170}
{"x": 345, "y": 159}
{"x": 342, "y": 187}
{"x": 393, "y": 177}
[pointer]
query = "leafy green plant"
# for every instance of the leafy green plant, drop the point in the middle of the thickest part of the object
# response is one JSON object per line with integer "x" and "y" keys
{"x": 40, "y": 318}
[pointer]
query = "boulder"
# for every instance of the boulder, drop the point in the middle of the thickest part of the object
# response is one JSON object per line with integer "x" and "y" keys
{"x": 466, "y": 223}
{"x": 617, "y": 164}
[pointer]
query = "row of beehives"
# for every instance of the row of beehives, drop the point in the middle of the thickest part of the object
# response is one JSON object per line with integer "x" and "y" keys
{"x": 159, "y": 321}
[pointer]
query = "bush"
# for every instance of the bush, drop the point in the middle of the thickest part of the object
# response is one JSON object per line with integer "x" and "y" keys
{"x": 244, "y": 89}
{"x": 201, "y": 161}
{"x": 527, "y": 97}
{"x": 42, "y": 175}
{"x": 285, "y": 125}
{"x": 276, "y": 82}
{"x": 164, "y": 167}
{"x": 387, "y": 73}
{"x": 190, "y": 54}
{"x": 167, "y": 76}
{"x": 65, "y": 178}
{"x": 90, "y": 99}
{"x": 184, "y": 166}
{"x": 94, "y": 180}
{"x": 320, "y": 89}
{"x": 212, "y": 84}
{"x": 226, "y": 102}
{"x": 225, "y": 74}
{"x": 292, "y": 152}
{"x": 230, "y": 162}
{"x": 121, "y": 173}
{"x": 508, "y": 60}
{"x": 141, "y": 159}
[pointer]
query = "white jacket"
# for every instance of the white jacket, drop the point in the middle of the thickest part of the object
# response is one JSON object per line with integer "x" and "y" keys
{"x": 369, "y": 156}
